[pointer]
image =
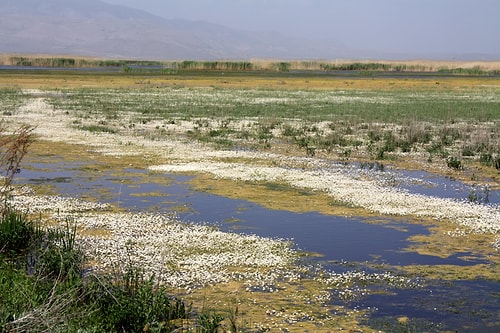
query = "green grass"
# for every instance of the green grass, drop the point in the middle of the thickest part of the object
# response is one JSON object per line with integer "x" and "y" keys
{"x": 354, "y": 117}
{"x": 98, "y": 128}
{"x": 424, "y": 117}
{"x": 364, "y": 106}
{"x": 44, "y": 288}
{"x": 10, "y": 100}
{"x": 69, "y": 62}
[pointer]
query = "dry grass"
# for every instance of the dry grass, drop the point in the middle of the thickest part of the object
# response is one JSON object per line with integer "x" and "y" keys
{"x": 430, "y": 65}
{"x": 7, "y": 59}
{"x": 13, "y": 148}
{"x": 422, "y": 64}
{"x": 277, "y": 197}
{"x": 65, "y": 80}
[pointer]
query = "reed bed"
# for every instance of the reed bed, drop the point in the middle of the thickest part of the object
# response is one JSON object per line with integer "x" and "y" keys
{"x": 367, "y": 65}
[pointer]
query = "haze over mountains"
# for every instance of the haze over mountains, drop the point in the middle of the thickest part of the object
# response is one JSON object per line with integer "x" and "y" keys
{"x": 95, "y": 28}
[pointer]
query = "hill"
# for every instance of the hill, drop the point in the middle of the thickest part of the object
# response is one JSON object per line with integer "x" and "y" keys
{"x": 95, "y": 28}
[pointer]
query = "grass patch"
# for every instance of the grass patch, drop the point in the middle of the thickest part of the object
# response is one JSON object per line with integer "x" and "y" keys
{"x": 384, "y": 122}
{"x": 445, "y": 240}
{"x": 43, "y": 288}
{"x": 454, "y": 273}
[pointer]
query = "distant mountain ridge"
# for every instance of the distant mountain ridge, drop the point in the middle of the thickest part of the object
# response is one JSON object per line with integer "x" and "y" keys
{"x": 98, "y": 29}
{"x": 95, "y": 28}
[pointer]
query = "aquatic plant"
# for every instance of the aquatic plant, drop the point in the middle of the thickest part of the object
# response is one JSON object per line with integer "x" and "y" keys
{"x": 209, "y": 322}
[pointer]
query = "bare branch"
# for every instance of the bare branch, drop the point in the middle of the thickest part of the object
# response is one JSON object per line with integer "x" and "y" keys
{"x": 13, "y": 148}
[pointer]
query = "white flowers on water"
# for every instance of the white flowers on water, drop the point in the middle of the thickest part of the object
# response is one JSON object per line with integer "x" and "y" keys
{"x": 178, "y": 254}
{"x": 188, "y": 256}
{"x": 347, "y": 187}
{"x": 181, "y": 255}
{"x": 27, "y": 202}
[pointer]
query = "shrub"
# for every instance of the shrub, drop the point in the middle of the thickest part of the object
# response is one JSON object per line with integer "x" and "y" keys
{"x": 380, "y": 153}
{"x": 290, "y": 131}
{"x": 467, "y": 151}
{"x": 416, "y": 133}
{"x": 454, "y": 163}
{"x": 264, "y": 132}
{"x": 331, "y": 140}
{"x": 490, "y": 160}
{"x": 486, "y": 159}
{"x": 98, "y": 129}
{"x": 405, "y": 146}
{"x": 391, "y": 142}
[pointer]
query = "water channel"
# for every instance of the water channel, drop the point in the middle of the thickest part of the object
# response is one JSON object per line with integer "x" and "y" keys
{"x": 462, "y": 306}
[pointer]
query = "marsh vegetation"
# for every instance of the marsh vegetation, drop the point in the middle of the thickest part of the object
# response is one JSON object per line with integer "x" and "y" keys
{"x": 454, "y": 127}
{"x": 272, "y": 139}
{"x": 480, "y": 68}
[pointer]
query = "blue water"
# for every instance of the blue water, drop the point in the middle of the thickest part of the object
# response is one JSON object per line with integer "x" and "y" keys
{"x": 435, "y": 307}
{"x": 426, "y": 183}
{"x": 456, "y": 306}
{"x": 335, "y": 238}
{"x": 446, "y": 187}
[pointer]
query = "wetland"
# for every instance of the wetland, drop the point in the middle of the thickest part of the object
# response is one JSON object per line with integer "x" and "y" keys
{"x": 315, "y": 204}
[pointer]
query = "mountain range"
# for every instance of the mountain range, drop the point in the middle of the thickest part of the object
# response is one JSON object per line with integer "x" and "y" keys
{"x": 96, "y": 28}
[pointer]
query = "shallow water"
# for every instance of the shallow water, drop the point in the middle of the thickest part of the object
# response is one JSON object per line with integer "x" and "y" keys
{"x": 426, "y": 183}
{"x": 335, "y": 238}
{"x": 457, "y": 306}
{"x": 339, "y": 240}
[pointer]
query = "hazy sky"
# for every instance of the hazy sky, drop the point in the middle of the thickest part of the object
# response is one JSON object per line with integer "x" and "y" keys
{"x": 437, "y": 26}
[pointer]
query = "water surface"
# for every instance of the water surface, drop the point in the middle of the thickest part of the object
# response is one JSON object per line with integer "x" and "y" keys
{"x": 338, "y": 240}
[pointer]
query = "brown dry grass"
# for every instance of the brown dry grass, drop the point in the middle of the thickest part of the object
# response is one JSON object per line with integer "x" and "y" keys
{"x": 69, "y": 80}
{"x": 6, "y": 59}
{"x": 424, "y": 64}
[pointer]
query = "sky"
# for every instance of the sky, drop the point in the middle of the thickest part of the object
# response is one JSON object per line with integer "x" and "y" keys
{"x": 410, "y": 26}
